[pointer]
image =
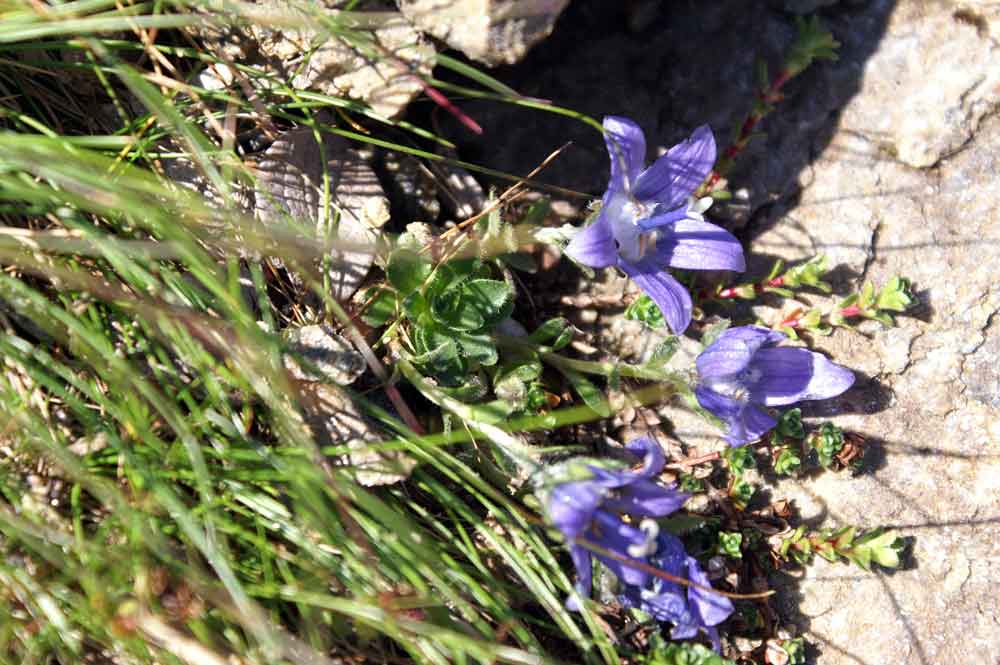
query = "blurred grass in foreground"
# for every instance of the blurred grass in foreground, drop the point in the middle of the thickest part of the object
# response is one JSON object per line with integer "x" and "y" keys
{"x": 162, "y": 500}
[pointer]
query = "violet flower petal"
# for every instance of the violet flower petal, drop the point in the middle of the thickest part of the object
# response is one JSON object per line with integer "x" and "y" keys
{"x": 663, "y": 599}
{"x": 713, "y": 636}
{"x": 611, "y": 533}
{"x": 710, "y": 608}
{"x": 674, "y": 176}
{"x": 669, "y": 295}
{"x": 750, "y": 426}
{"x": 653, "y": 459}
{"x": 732, "y": 351}
{"x": 670, "y": 557}
{"x": 788, "y": 375}
{"x": 668, "y": 606}
{"x": 644, "y": 498}
{"x": 647, "y": 450}
{"x": 725, "y": 408}
{"x": 698, "y": 245}
{"x": 744, "y": 421}
{"x": 594, "y": 245}
{"x": 627, "y": 148}
{"x": 663, "y": 219}
{"x": 571, "y": 506}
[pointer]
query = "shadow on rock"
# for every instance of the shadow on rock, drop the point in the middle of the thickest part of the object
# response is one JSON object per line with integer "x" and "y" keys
{"x": 672, "y": 68}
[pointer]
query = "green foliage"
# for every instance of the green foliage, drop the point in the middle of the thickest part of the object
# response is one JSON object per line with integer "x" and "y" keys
{"x": 381, "y": 307}
{"x": 730, "y": 544}
{"x": 555, "y": 333}
{"x": 827, "y": 441}
{"x": 813, "y": 42}
{"x": 741, "y": 492}
{"x": 790, "y": 424}
{"x": 713, "y": 331}
{"x": 451, "y": 310}
{"x": 795, "y": 648}
{"x": 739, "y": 459}
{"x": 809, "y": 273}
{"x": 787, "y": 461}
{"x": 144, "y": 380}
{"x": 894, "y": 297}
{"x": 407, "y": 270}
{"x": 588, "y": 392}
{"x": 882, "y": 547}
{"x": 644, "y": 309}
{"x": 662, "y": 652}
{"x": 689, "y": 483}
{"x": 878, "y": 546}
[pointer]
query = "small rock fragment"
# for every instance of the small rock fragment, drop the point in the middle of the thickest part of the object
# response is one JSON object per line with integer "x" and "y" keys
{"x": 379, "y": 63}
{"x": 290, "y": 194}
{"x": 491, "y": 31}
{"x": 333, "y": 357}
{"x": 333, "y": 419}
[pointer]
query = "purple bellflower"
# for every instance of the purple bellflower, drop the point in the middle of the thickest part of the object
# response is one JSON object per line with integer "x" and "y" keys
{"x": 744, "y": 369}
{"x": 690, "y": 608}
{"x": 648, "y": 221}
{"x": 591, "y": 510}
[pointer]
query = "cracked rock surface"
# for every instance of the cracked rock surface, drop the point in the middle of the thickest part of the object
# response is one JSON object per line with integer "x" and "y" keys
{"x": 928, "y": 401}
{"x": 887, "y": 162}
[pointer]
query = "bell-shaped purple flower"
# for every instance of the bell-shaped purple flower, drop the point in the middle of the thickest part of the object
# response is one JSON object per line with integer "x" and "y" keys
{"x": 649, "y": 223}
{"x": 745, "y": 369}
{"x": 689, "y": 608}
{"x": 591, "y": 511}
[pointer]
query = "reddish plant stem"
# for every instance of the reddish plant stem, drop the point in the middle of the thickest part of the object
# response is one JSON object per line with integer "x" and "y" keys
{"x": 441, "y": 100}
{"x": 711, "y": 457}
{"x": 853, "y": 310}
{"x": 795, "y": 320}
{"x": 695, "y": 461}
{"x": 731, "y": 292}
{"x": 771, "y": 95}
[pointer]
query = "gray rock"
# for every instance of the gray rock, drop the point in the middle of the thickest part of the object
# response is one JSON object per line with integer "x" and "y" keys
{"x": 333, "y": 419}
{"x": 290, "y": 199}
{"x": 333, "y": 357}
{"x": 461, "y": 194}
{"x": 491, "y": 31}
{"x": 930, "y": 405}
{"x": 378, "y": 61}
{"x": 944, "y": 60}
{"x": 188, "y": 175}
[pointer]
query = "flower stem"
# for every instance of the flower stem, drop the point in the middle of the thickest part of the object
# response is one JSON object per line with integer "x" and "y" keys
{"x": 795, "y": 320}
{"x": 762, "y": 106}
{"x": 606, "y": 369}
{"x": 521, "y": 454}
{"x": 741, "y": 290}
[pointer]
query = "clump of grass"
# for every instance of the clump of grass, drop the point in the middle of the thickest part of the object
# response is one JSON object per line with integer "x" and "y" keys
{"x": 162, "y": 498}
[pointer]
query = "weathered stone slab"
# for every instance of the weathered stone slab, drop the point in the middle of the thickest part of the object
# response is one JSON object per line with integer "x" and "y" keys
{"x": 291, "y": 199}
{"x": 491, "y": 31}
